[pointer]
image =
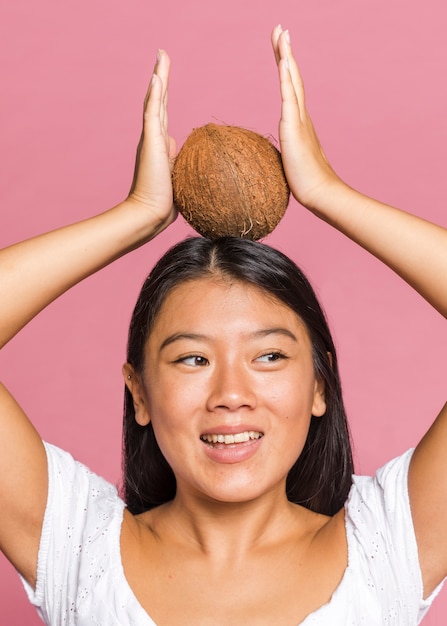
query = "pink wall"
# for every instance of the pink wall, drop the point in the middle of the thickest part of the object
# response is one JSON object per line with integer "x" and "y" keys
{"x": 73, "y": 79}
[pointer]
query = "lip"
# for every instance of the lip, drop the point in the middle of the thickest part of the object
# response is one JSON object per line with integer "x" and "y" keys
{"x": 231, "y": 429}
{"x": 233, "y": 452}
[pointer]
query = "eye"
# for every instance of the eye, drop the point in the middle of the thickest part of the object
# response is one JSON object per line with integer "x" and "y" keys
{"x": 193, "y": 360}
{"x": 271, "y": 357}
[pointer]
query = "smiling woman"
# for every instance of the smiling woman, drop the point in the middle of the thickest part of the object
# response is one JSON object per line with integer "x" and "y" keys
{"x": 240, "y": 506}
{"x": 201, "y": 279}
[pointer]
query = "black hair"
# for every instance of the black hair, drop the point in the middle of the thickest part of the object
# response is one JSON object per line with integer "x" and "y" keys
{"x": 321, "y": 477}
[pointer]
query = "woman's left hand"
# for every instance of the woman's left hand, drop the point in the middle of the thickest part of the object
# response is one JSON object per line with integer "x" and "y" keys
{"x": 307, "y": 169}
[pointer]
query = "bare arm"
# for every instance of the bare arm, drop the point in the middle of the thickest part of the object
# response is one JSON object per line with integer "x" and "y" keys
{"x": 412, "y": 247}
{"x": 34, "y": 273}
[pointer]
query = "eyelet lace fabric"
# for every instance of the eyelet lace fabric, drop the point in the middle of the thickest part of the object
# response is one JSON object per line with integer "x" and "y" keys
{"x": 81, "y": 582}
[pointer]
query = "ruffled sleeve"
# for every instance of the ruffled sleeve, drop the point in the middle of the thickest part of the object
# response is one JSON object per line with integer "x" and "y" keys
{"x": 74, "y": 553}
{"x": 378, "y": 518}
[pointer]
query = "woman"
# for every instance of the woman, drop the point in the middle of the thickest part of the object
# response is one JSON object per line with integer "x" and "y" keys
{"x": 229, "y": 387}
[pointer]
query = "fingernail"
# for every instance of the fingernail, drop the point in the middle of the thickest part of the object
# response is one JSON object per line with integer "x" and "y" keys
{"x": 287, "y": 36}
{"x": 158, "y": 54}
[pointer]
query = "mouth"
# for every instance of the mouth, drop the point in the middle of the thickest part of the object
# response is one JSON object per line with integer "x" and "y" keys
{"x": 217, "y": 438}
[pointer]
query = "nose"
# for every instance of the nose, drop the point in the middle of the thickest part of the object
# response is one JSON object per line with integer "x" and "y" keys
{"x": 231, "y": 389}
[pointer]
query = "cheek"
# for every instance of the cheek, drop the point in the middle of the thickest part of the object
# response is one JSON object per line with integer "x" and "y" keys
{"x": 167, "y": 434}
{"x": 175, "y": 395}
{"x": 172, "y": 408}
{"x": 294, "y": 404}
{"x": 295, "y": 396}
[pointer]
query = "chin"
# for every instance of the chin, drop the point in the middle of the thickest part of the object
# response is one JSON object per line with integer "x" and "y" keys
{"x": 241, "y": 493}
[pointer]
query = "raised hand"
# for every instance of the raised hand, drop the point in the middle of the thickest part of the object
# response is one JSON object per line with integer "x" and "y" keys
{"x": 64, "y": 257}
{"x": 72, "y": 253}
{"x": 151, "y": 185}
{"x": 414, "y": 248}
{"x": 308, "y": 172}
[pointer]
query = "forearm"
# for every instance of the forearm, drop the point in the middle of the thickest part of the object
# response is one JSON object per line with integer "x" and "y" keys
{"x": 35, "y": 272}
{"x": 414, "y": 248}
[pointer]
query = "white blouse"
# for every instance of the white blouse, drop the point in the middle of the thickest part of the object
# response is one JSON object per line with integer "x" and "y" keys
{"x": 81, "y": 582}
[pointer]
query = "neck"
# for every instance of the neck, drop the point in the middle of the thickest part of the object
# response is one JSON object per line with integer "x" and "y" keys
{"x": 228, "y": 530}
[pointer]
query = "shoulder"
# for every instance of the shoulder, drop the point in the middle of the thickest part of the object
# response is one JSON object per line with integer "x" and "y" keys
{"x": 383, "y": 495}
{"x": 378, "y": 516}
{"x": 81, "y": 525}
{"x": 382, "y": 548}
{"x": 80, "y": 502}
{"x": 64, "y": 470}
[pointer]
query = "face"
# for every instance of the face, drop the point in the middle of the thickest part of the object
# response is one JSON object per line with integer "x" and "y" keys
{"x": 230, "y": 388}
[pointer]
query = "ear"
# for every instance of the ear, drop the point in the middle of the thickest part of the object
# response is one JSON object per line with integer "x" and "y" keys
{"x": 319, "y": 403}
{"x": 134, "y": 385}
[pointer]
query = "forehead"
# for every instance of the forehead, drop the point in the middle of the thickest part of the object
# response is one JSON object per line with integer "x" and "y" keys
{"x": 224, "y": 304}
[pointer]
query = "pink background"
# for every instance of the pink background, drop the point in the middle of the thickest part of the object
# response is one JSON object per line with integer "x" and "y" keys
{"x": 74, "y": 76}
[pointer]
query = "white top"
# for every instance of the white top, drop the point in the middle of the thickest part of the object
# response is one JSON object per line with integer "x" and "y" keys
{"x": 80, "y": 578}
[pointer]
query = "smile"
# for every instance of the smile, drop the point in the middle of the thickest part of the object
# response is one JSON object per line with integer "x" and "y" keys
{"x": 212, "y": 438}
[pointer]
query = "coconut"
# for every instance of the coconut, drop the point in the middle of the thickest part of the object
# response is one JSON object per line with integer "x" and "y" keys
{"x": 229, "y": 180}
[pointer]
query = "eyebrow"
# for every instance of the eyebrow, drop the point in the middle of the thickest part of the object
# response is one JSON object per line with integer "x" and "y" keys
{"x": 265, "y": 332}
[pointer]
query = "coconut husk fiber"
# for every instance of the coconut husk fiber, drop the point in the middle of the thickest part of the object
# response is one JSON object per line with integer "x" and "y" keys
{"x": 229, "y": 180}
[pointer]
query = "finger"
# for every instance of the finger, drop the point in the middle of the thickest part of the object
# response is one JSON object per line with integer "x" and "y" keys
{"x": 162, "y": 70}
{"x": 286, "y": 53}
{"x": 172, "y": 150}
{"x": 290, "y": 109}
{"x": 153, "y": 100}
{"x": 275, "y": 36}
{"x": 149, "y": 89}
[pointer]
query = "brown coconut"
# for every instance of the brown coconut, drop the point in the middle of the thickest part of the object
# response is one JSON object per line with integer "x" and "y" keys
{"x": 229, "y": 180}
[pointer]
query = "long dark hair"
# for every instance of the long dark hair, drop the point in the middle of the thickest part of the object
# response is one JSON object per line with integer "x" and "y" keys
{"x": 320, "y": 479}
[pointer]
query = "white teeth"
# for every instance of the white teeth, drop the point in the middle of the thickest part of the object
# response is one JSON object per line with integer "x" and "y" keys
{"x": 229, "y": 439}
{"x": 239, "y": 438}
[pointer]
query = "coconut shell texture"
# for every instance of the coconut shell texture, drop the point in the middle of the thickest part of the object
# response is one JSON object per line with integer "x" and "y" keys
{"x": 229, "y": 180}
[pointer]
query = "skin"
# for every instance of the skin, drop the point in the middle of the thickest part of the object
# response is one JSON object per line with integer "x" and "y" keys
{"x": 414, "y": 248}
{"x": 222, "y": 545}
{"x": 225, "y": 356}
{"x": 226, "y": 367}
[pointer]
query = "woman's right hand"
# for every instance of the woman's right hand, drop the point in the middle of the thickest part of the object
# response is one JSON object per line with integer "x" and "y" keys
{"x": 64, "y": 257}
{"x": 151, "y": 185}
{"x": 70, "y": 254}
